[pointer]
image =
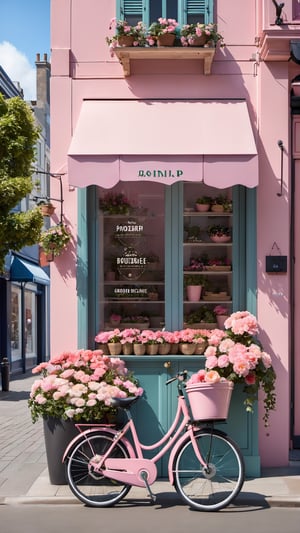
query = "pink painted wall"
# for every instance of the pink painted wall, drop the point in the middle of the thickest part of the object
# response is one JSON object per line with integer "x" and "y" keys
{"x": 78, "y": 48}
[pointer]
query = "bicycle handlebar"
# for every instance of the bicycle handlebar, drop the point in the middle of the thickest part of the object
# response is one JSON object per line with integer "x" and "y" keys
{"x": 181, "y": 376}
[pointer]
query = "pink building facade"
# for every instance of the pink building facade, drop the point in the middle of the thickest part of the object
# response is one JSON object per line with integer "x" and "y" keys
{"x": 213, "y": 121}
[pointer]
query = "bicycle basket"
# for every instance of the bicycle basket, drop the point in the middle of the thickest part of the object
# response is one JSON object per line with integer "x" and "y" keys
{"x": 210, "y": 401}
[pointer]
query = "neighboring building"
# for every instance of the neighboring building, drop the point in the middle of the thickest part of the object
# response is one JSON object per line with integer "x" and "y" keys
{"x": 163, "y": 127}
{"x": 24, "y": 290}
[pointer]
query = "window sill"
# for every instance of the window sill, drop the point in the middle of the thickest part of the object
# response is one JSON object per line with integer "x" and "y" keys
{"x": 126, "y": 55}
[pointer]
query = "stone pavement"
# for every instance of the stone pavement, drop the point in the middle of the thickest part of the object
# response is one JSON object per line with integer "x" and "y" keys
{"x": 24, "y": 475}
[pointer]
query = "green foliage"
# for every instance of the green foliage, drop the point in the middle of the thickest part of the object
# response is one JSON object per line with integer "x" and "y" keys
{"x": 18, "y": 136}
{"x": 55, "y": 239}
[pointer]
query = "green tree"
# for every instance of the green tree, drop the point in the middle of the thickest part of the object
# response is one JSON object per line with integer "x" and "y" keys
{"x": 18, "y": 136}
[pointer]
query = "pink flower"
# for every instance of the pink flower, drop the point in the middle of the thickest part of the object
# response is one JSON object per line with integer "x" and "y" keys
{"x": 212, "y": 377}
{"x": 241, "y": 366}
{"x": 199, "y": 377}
{"x": 210, "y": 351}
{"x": 266, "y": 359}
{"x": 242, "y": 322}
{"x": 211, "y": 361}
{"x": 223, "y": 361}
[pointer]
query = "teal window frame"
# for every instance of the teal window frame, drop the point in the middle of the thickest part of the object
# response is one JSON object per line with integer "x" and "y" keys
{"x": 187, "y": 11}
{"x": 244, "y": 258}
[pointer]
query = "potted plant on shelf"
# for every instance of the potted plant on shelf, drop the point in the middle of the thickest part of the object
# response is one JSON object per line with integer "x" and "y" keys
{"x": 203, "y": 203}
{"x": 55, "y": 239}
{"x": 221, "y": 203}
{"x": 115, "y": 204}
{"x": 221, "y": 313}
{"x": 162, "y": 32}
{"x": 126, "y": 35}
{"x": 76, "y": 387}
{"x": 46, "y": 207}
{"x": 201, "y": 318}
{"x": 219, "y": 233}
{"x": 196, "y": 265}
{"x": 192, "y": 233}
{"x": 222, "y": 264}
{"x": 194, "y": 284}
{"x": 200, "y": 34}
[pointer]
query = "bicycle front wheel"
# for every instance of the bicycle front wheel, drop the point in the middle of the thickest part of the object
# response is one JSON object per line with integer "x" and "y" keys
{"x": 88, "y": 485}
{"x": 211, "y": 487}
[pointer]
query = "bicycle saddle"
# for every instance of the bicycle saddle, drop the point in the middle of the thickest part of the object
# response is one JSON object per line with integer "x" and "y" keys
{"x": 124, "y": 403}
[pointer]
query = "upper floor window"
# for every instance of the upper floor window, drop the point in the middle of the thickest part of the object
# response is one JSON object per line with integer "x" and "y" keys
{"x": 184, "y": 11}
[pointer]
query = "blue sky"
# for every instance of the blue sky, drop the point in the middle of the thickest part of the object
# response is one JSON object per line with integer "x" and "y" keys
{"x": 24, "y": 32}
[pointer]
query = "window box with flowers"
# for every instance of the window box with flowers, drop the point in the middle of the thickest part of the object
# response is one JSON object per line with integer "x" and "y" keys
{"x": 126, "y": 35}
{"x": 200, "y": 35}
{"x": 162, "y": 32}
{"x": 156, "y": 42}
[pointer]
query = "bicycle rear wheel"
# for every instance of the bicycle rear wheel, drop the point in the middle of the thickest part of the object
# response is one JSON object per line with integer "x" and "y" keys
{"x": 214, "y": 487}
{"x": 89, "y": 486}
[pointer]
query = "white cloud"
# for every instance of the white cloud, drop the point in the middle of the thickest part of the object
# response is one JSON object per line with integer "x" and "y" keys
{"x": 18, "y": 68}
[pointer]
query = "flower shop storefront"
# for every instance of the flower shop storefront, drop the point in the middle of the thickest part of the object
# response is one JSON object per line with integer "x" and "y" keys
{"x": 171, "y": 214}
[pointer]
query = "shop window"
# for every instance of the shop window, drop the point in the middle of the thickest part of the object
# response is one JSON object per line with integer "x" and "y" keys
{"x": 184, "y": 11}
{"x": 207, "y": 256}
{"x": 23, "y": 323}
{"x": 30, "y": 324}
{"x": 16, "y": 323}
{"x": 132, "y": 249}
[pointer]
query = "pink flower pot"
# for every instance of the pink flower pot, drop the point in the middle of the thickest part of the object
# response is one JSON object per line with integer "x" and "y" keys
{"x": 210, "y": 401}
{"x": 202, "y": 208}
{"x": 220, "y": 320}
{"x": 193, "y": 292}
{"x": 220, "y": 238}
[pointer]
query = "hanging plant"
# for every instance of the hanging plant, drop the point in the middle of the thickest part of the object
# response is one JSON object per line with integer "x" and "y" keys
{"x": 55, "y": 239}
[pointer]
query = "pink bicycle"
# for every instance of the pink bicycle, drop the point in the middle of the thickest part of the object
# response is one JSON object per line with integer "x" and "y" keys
{"x": 205, "y": 465}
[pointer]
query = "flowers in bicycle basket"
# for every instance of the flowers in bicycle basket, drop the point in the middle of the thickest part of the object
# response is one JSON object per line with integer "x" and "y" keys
{"x": 80, "y": 386}
{"x": 236, "y": 355}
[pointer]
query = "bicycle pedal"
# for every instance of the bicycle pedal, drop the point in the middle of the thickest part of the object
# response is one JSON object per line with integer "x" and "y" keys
{"x": 144, "y": 476}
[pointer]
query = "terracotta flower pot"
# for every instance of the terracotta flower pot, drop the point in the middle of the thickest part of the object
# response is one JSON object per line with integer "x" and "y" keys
{"x": 167, "y": 39}
{"x": 217, "y": 208}
{"x": 152, "y": 349}
{"x": 139, "y": 349}
{"x": 125, "y": 40}
{"x": 200, "y": 347}
{"x": 115, "y": 348}
{"x": 164, "y": 349}
{"x": 187, "y": 348}
{"x": 103, "y": 347}
{"x": 127, "y": 348}
{"x": 198, "y": 41}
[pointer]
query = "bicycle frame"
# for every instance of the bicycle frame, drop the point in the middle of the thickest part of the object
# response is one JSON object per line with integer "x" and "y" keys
{"x": 136, "y": 470}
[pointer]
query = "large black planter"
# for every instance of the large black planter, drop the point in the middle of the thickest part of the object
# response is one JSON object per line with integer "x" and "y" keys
{"x": 58, "y": 433}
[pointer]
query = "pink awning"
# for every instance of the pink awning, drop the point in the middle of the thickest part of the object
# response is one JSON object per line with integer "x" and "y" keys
{"x": 163, "y": 141}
